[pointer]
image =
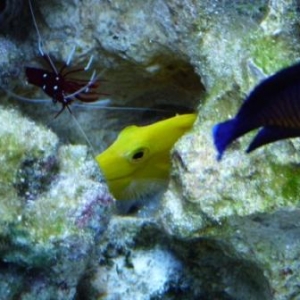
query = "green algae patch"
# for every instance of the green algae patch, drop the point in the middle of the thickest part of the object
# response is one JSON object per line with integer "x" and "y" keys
{"x": 16, "y": 143}
{"x": 272, "y": 53}
{"x": 288, "y": 179}
{"x": 57, "y": 214}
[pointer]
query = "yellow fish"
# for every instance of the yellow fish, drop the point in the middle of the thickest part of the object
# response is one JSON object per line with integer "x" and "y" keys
{"x": 138, "y": 162}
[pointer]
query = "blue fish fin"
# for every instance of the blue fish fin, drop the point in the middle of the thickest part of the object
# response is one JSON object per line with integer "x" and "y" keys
{"x": 270, "y": 134}
{"x": 223, "y": 135}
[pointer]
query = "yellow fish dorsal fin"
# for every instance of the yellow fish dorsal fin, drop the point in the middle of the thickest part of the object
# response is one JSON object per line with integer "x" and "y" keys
{"x": 128, "y": 129}
{"x": 141, "y": 153}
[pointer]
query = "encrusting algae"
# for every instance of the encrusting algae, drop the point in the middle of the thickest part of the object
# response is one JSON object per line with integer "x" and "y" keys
{"x": 138, "y": 162}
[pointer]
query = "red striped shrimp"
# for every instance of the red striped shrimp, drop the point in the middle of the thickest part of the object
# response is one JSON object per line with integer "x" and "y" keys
{"x": 60, "y": 85}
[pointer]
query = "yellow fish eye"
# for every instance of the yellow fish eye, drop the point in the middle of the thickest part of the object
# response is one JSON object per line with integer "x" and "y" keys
{"x": 139, "y": 155}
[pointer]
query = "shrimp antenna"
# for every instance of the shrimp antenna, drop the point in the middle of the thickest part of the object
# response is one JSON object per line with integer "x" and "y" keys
{"x": 89, "y": 63}
{"x": 70, "y": 56}
{"x": 92, "y": 80}
{"x": 40, "y": 40}
{"x": 82, "y": 132}
{"x": 24, "y": 99}
{"x": 100, "y": 104}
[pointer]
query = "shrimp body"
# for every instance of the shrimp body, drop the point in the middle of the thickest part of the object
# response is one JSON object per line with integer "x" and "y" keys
{"x": 59, "y": 84}
{"x": 60, "y": 87}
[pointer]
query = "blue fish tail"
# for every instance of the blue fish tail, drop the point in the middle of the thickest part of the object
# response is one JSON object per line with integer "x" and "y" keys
{"x": 224, "y": 134}
{"x": 270, "y": 134}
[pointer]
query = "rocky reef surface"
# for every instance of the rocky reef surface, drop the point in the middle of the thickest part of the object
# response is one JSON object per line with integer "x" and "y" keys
{"x": 54, "y": 207}
{"x": 224, "y": 230}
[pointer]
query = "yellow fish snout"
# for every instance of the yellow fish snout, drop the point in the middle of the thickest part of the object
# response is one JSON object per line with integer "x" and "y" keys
{"x": 139, "y": 159}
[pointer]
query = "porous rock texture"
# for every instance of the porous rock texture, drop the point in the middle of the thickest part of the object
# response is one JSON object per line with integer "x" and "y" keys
{"x": 228, "y": 229}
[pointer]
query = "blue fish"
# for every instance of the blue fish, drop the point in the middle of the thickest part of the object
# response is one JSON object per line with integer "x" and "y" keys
{"x": 274, "y": 105}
